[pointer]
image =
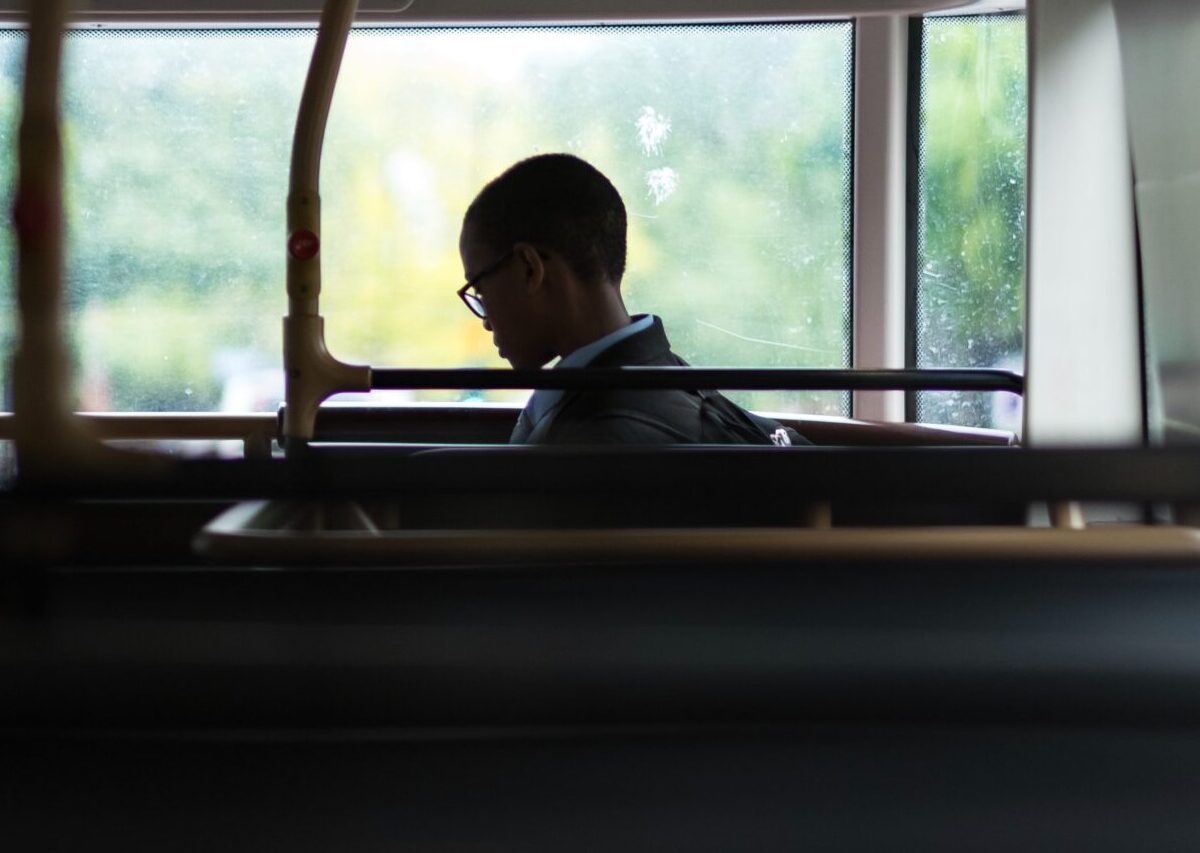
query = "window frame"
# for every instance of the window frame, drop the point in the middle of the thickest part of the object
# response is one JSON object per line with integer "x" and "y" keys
{"x": 173, "y": 13}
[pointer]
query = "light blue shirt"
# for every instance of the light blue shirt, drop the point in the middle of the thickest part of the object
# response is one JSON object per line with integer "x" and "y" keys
{"x": 544, "y": 399}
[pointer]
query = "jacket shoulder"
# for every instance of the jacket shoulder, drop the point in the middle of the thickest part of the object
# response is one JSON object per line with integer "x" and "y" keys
{"x": 622, "y": 415}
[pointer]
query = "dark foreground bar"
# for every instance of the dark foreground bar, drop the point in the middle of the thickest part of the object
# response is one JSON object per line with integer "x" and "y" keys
{"x": 736, "y": 379}
{"x": 809, "y": 473}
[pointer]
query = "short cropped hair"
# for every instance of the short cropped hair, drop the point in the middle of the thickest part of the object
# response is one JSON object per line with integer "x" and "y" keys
{"x": 561, "y": 202}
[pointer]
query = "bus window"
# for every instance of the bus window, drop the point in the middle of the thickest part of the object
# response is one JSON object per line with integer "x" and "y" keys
{"x": 967, "y": 261}
{"x": 731, "y": 145}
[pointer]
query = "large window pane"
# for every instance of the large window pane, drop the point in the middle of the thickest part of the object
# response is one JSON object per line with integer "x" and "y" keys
{"x": 971, "y": 214}
{"x": 176, "y": 148}
{"x": 730, "y": 144}
{"x": 11, "y": 53}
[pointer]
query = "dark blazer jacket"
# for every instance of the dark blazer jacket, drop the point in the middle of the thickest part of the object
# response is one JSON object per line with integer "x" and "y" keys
{"x": 624, "y": 416}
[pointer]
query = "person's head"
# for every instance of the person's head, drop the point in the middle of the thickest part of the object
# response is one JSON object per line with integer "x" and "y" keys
{"x": 543, "y": 247}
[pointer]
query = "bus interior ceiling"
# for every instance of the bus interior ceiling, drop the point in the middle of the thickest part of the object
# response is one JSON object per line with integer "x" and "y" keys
{"x": 948, "y": 623}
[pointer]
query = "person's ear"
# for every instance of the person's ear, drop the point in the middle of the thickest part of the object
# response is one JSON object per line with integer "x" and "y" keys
{"x": 532, "y": 264}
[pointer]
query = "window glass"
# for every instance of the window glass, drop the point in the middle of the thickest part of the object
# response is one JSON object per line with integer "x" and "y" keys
{"x": 970, "y": 265}
{"x": 176, "y": 147}
{"x": 730, "y": 144}
{"x": 11, "y": 54}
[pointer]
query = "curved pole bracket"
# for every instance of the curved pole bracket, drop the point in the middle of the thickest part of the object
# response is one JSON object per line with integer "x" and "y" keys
{"x": 311, "y": 374}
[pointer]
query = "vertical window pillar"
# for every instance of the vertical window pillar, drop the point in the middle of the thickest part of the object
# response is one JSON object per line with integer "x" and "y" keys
{"x": 1084, "y": 353}
{"x": 880, "y": 145}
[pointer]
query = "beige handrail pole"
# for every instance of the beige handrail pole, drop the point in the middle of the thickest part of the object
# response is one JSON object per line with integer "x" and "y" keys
{"x": 311, "y": 373}
{"x": 52, "y": 442}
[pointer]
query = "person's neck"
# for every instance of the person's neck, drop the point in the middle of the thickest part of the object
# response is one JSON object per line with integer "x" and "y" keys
{"x": 594, "y": 318}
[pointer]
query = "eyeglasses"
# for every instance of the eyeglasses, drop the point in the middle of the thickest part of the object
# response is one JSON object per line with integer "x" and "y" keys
{"x": 473, "y": 300}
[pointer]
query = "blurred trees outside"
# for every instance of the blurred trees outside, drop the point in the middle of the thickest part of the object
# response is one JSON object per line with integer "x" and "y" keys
{"x": 971, "y": 220}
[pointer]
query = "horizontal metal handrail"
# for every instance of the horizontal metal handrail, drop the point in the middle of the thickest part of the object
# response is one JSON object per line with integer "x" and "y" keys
{"x": 740, "y": 379}
{"x": 258, "y": 429}
{"x": 255, "y": 429}
{"x": 118, "y": 426}
{"x": 134, "y": 426}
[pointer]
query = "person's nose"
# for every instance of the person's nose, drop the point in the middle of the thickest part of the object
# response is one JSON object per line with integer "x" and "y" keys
{"x": 486, "y": 325}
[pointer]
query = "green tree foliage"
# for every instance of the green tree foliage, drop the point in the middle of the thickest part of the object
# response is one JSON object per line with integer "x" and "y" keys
{"x": 971, "y": 258}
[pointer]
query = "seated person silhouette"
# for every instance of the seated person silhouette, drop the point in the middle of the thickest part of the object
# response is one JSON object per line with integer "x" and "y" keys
{"x": 543, "y": 250}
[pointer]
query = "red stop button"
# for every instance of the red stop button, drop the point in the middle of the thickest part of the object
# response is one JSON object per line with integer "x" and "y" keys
{"x": 303, "y": 245}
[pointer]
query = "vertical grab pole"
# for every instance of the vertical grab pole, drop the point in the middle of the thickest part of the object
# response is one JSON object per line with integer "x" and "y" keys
{"x": 49, "y": 438}
{"x": 310, "y": 373}
{"x": 39, "y": 366}
{"x": 38, "y": 220}
{"x": 51, "y": 441}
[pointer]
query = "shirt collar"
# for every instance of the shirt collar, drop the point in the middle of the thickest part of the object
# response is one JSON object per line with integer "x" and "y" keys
{"x": 584, "y": 356}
